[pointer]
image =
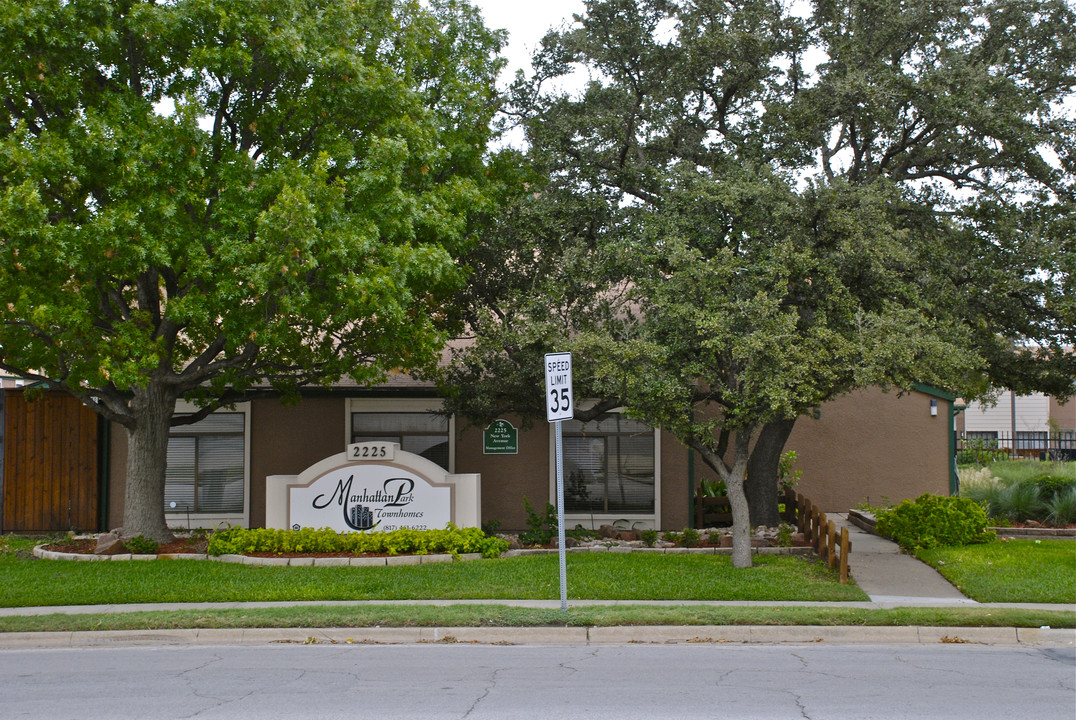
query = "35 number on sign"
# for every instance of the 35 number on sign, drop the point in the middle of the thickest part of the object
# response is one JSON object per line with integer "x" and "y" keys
{"x": 561, "y": 401}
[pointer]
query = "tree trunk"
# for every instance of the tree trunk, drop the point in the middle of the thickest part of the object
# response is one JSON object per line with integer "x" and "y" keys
{"x": 147, "y": 453}
{"x": 761, "y": 482}
{"x": 741, "y": 514}
{"x": 734, "y": 482}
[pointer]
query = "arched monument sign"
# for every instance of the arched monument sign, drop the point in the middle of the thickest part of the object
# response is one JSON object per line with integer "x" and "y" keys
{"x": 373, "y": 486}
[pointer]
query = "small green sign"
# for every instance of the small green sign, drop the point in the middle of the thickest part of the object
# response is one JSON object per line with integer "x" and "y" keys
{"x": 500, "y": 438}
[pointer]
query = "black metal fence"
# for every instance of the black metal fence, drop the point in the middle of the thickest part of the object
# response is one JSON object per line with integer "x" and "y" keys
{"x": 983, "y": 446}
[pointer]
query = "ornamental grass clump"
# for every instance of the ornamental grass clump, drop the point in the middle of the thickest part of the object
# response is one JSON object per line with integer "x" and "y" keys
{"x": 1061, "y": 508}
{"x": 1020, "y": 497}
{"x": 931, "y": 521}
{"x": 1020, "y": 502}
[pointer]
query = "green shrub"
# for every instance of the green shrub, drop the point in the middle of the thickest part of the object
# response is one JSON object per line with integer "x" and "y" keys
{"x": 713, "y": 488}
{"x": 1051, "y": 485}
{"x": 1061, "y": 508}
{"x": 690, "y": 537}
{"x": 581, "y": 533}
{"x": 453, "y": 540}
{"x": 541, "y": 527}
{"x": 142, "y": 545}
{"x": 649, "y": 537}
{"x": 787, "y": 474}
{"x": 980, "y": 452}
{"x": 932, "y": 521}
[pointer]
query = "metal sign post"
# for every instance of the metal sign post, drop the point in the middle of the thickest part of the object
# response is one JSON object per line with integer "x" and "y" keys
{"x": 559, "y": 406}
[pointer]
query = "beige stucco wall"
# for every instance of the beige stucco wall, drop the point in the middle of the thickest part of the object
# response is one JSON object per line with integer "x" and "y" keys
{"x": 872, "y": 445}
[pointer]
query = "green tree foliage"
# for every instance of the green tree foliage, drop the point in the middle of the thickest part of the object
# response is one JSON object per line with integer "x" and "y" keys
{"x": 745, "y": 213}
{"x": 204, "y": 195}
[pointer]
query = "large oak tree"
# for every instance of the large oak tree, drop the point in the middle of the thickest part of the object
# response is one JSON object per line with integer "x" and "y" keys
{"x": 746, "y": 212}
{"x": 202, "y": 196}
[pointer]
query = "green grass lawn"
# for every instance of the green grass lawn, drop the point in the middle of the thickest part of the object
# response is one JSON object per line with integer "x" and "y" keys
{"x": 1016, "y": 571}
{"x": 597, "y": 576}
{"x": 1036, "y": 571}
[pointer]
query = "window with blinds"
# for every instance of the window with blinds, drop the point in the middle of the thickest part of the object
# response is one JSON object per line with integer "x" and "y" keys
{"x": 424, "y": 434}
{"x": 608, "y": 466}
{"x": 205, "y": 466}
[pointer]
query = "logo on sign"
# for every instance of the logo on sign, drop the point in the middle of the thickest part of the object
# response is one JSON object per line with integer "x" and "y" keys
{"x": 363, "y": 497}
{"x": 396, "y": 492}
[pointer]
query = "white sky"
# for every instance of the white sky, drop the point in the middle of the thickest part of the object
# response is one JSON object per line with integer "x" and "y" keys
{"x": 526, "y": 21}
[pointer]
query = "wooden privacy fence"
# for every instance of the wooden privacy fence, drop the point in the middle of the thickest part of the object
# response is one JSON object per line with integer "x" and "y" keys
{"x": 50, "y": 464}
{"x": 821, "y": 533}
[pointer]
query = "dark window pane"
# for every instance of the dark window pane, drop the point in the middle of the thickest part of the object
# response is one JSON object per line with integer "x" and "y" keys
{"x": 608, "y": 466}
{"x": 424, "y": 434}
{"x": 206, "y": 466}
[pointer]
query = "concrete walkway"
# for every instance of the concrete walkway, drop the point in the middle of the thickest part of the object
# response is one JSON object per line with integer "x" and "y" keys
{"x": 890, "y": 576}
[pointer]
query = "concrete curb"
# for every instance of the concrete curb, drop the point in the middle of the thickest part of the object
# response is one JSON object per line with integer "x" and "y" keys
{"x": 664, "y": 635}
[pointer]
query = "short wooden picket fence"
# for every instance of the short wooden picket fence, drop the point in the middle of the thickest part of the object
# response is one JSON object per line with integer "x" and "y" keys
{"x": 821, "y": 533}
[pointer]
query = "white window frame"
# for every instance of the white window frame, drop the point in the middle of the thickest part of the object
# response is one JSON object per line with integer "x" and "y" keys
{"x": 178, "y": 517}
{"x": 401, "y": 405}
{"x": 637, "y": 521}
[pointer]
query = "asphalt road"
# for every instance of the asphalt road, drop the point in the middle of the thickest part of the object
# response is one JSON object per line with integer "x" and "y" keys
{"x": 476, "y": 682}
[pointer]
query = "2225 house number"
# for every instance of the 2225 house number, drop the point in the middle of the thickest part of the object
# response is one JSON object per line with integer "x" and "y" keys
{"x": 371, "y": 451}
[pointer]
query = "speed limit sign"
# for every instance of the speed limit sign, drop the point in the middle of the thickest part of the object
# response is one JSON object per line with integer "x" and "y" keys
{"x": 558, "y": 387}
{"x": 559, "y": 406}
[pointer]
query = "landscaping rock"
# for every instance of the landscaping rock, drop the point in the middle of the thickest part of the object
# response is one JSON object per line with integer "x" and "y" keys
{"x": 109, "y": 544}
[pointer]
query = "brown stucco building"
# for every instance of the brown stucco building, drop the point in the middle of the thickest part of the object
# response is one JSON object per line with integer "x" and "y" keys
{"x": 869, "y": 445}
{"x": 866, "y": 446}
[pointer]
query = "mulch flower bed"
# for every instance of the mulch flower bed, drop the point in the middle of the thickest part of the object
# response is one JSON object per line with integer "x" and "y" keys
{"x": 87, "y": 546}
